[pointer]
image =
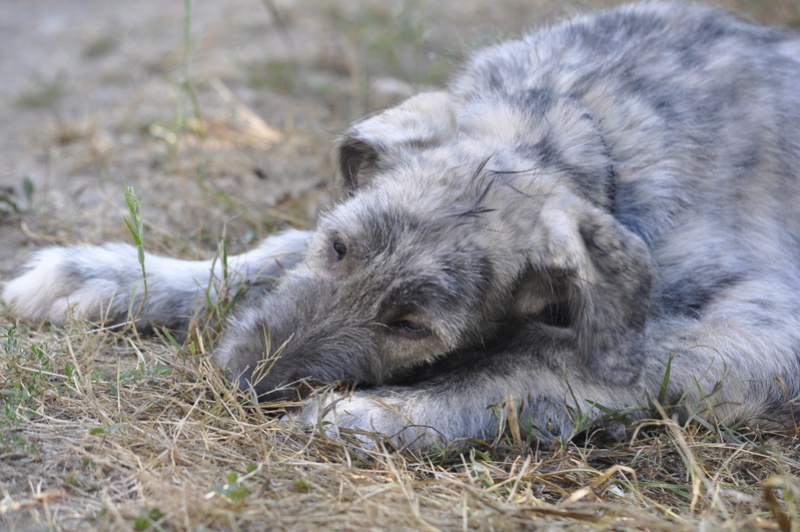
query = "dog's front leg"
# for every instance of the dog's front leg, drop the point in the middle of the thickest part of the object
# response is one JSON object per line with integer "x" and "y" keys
{"x": 105, "y": 283}
{"x": 474, "y": 402}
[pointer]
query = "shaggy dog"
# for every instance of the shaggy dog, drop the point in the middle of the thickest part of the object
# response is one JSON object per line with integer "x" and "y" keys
{"x": 594, "y": 216}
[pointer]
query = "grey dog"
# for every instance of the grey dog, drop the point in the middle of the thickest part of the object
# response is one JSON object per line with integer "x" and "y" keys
{"x": 600, "y": 214}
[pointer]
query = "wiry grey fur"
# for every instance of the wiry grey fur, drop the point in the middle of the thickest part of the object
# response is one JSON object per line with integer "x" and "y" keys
{"x": 581, "y": 207}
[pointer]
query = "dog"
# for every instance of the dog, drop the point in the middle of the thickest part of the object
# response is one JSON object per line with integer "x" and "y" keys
{"x": 600, "y": 215}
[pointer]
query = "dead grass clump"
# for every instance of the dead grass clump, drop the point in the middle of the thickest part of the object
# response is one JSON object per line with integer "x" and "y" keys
{"x": 123, "y": 433}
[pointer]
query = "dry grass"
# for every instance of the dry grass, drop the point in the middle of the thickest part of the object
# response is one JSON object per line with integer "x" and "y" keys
{"x": 115, "y": 432}
{"x": 118, "y": 432}
{"x": 122, "y": 433}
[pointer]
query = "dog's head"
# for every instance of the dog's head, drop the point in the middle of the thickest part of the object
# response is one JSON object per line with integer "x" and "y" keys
{"x": 459, "y": 220}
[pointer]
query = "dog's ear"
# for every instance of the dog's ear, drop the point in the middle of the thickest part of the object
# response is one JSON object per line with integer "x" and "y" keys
{"x": 424, "y": 120}
{"x": 600, "y": 273}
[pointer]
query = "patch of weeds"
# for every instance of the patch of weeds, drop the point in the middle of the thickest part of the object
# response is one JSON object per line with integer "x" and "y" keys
{"x": 278, "y": 76}
{"x": 397, "y": 36}
{"x": 80, "y": 482}
{"x": 102, "y": 431}
{"x": 301, "y": 486}
{"x": 45, "y": 92}
{"x": 27, "y": 188}
{"x": 27, "y": 374}
{"x": 233, "y": 488}
{"x": 12, "y": 443}
{"x": 187, "y": 94}
{"x": 289, "y": 78}
{"x": 479, "y": 469}
{"x": 6, "y": 203}
{"x": 222, "y": 292}
{"x": 10, "y": 343}
{"x": 149, "y": 518}
{"x": 187, "y": 117}
{"x": 150, "y": 374}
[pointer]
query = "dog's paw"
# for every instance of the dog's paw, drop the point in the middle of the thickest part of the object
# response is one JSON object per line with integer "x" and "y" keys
{"x": 362, "y": 417}
{"x": 88, "y": 279}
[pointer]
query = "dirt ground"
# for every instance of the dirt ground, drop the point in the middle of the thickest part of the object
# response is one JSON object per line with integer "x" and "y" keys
{"x": 221, "y": 116}
{"x": 92, "y": 98}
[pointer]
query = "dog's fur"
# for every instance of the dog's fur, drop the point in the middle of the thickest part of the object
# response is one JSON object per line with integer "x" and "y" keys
{"x": 601, "y": 213}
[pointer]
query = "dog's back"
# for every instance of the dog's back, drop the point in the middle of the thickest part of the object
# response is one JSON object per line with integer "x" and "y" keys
{"x": 700, "y": 113}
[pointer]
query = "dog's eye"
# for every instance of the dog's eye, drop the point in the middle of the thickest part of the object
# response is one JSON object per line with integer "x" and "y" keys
{"x": 409, "y": 328}
{"x": 339, "y": 248}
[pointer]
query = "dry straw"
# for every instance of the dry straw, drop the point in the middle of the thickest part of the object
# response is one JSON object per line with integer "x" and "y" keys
{"x": 117, "y": 432}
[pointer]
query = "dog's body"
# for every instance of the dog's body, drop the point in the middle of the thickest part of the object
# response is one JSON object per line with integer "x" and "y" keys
{"x": 604, "y": 212}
